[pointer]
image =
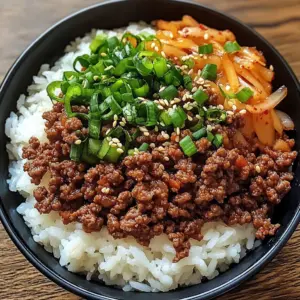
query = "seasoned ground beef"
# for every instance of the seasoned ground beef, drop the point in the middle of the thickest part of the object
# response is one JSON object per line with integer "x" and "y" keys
{"x": 161, "y": 190}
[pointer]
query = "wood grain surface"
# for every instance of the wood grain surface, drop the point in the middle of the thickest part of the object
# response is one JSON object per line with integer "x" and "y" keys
{"x": 21, "y": 21}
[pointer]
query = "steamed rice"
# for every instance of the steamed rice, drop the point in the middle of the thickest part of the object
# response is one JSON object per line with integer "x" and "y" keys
{"x": 121, "y": 262}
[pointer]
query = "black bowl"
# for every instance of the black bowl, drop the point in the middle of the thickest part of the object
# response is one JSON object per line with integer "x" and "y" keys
{"x": 48, "y": 48}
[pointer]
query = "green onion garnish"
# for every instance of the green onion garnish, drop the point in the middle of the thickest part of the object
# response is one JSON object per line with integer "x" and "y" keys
{"x": 218, "y": 140}
{"x": 231, "y": 47}
{"x": 188, "y": 82}
{"x": 169, "y": 93}
{"x": 200, "y": 97}
{"x": 216, "y": 115}
{"x": 210, "y": 136}
{"x": 160, "y": 67}
{"x": 244, "y": 94}
{"x": 165, "y": 118}
{"x": 226, "y": 94}
{"x": 206, "y": 49}
{"x": 178, "y": 116}
{"x": 197, "y": 135}
{"x": 188, "y": 146}
{"x": 94, "y": 146}
{"x": 190, "y": 63}
{"x": 76, "y": 151}
{"x": 144, "y": 147}
{"x": 209, "y": 72}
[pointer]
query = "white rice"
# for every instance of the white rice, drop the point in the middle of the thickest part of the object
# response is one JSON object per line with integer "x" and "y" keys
{"x": 121, "y": 262}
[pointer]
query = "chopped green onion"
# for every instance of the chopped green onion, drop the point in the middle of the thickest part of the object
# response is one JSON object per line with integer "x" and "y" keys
{"x": 76, "y": 151}
{"x": 210, "y": 136}
{"x": 178, "y": 116}
{"x": 113, "y": 154}
{"x": 94, "y": 146}
{"x": 144, "y": 147}
{"x": 160, "y": 67}
{"x": 216, "y": 115}
{"x": 209, "y": 72}
{"x": 190, "y": 63}
{"x": 226, "y": 94}
{"x": 142, "y": 91}
{"x": 97, "y": 42}
{"x": 94, "y": 128}
{"x": 244, "y": 94}
{"x": 218, "y": 140}
{"x": 199, "y": 133}
{"x": 200, "y": 96}
{"x": 87, "y": 156}
{"x": 232, "y": 47}
{"x": 131, "y": 152}
{"x": 169, "y": 93}
{"x": 165, "y": 118}
{"x": 206, "y": 49}
{"x": 104, "y": 148}
{"x": 52, "y": 91}
{"x": 188, "y": 146}
{"x": 188, "y": 82}
{"x": 197, "y": 126}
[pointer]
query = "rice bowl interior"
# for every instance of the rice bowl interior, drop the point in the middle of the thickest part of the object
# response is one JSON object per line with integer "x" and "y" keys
{"x": 122, "y": 262}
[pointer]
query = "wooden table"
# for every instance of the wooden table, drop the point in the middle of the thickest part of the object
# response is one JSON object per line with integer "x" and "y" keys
{"x": 21, "y": 21}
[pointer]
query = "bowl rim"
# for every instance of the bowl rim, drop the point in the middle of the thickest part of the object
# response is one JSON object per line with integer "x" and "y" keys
{"x": 69, "y": 286}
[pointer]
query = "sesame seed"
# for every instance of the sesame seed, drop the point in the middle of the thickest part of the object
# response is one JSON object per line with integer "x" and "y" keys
{"x": 233, "y": 107}
{"x": 77, "y": 142}
{"x": 107, "y": 131}
{"x": 115, "y": 140}
{"x": 122, "y": 124}
{"x": 243, "y": 111}
{"x": 178, "y": 131}
{"x": 108, "y": 138}
{"x": 96, "y": 77}
{"x": 171, "y": 35}
{"x": 156, "y": 128}
{"x": 229, "y": 112}
{"x": 220, "y": 106}
{"x": 227, "y": 87}
{"x": 184, "y": 97}
{"x": 190, "y": 118}
{"x": 163, "y": 54}
{"x": 230, "y": 103}
{"x": 113, "y": 145}
{"x": 166, "y": 136}
{"x": 143, "y": 129}
{"x": 166, "y": 158}
{"x": 161, "y": 89}
{"x": 110, "y": 143}
{"x": 271, "y": 68}
{"x": 105, "y": 190}
{"x": 141, "y": 98}
{"x": 124, "y": 120}
{"x": 175, "y": 58}
{"x": 209, "y": 127}
{"x": 257, "y": 169}
{"x": 166, "y": 102}
{"x": 194, "y": 89}
{"x": 152, "y": 145}
{"x": 174, "y": 106}
{"x": 161, "y": 101}
{"x": 160, "y": 107}
{"x": 119, "y": 150}
{"x": 114, "y": 123}
{"x": 103, "y": 54}
{"x": 153, "y": 45}
{"x": 172, "y": 102}
{"x": 119, "y": 145}
{"x": 206, "y": 36}
{"x": 205, "y": 56}
{"x": 115, "y": 117}
{"x": 156, "y": 49}
{"x": 177, "y": 139}
{"x": 204, "y": 108}
{"x": 146, "y": 133}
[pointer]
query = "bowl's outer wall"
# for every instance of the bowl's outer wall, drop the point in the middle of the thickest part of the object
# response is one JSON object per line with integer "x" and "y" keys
{"x": 48, "y": 49}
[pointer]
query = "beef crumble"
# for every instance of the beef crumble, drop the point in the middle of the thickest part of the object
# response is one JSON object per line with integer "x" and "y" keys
{"x": 159, "y": 191}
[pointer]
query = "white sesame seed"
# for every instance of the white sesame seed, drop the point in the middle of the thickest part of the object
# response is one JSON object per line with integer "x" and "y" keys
{"x": 209, "y": 127}
{"x": 122, "y": 124}
{"x": 143, "y": 129}
{"x": 107, "y": 131}
{"x": 190, "y": 118}
{"x": 96, "y": 77}
{"x": 166, "y": 102}
{"x": 141, "y": 98}
{"x": 110, "y": 143}
{"x": 161, "y": 89}
{"x": 166, "y": 136}
{"x": 227, "y": 87}
{"x": 119, "y": 150}
{"x": 124, "y": 120}
{"x": 172, "y": 102}
{"x": 152, "y": 145}
{"x": 113, "y": 145}
{"x": 229, "y": 112}
{"x": 105, "y": 190}
{"x": 116, "y": 118}
{"x": 177, "y": 139}
{"x": 103, "y": 54}
{"x": 153, "y": 45}
{"x": 220, "y": 106}
{"x": 171, "y": 35}
{"x": 178, "y": 131}
{"x": 257, "y": 169}
{"x": 108, "y": 138}
{"x": 230, "y": 103}
{"x": 114, "y": 123}
{"x": 194, "y": 89}
{"x": 174, "y": 106}
{"x": 271, "y": 68}
{"x": 156, "y": 49}
{"x": 115, "y": 140}
{"x": 204, "y": 108}
{"x": 166, "y": 158}
{"x": 206, "y": 36}
{"x": 119, "y": 145}
{"x": 233, "y": 107}
{"x": 160, "y": 107}
{"x": 163, "y": 54}
{"x": 243, "y": 111}
{"x": 77, "y": 142}
{"x": 146, "y": 133}
{"x": 156, "y": 129}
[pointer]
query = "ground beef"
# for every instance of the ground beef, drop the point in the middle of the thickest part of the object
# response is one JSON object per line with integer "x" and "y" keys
{"x": 161, "y": 190}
